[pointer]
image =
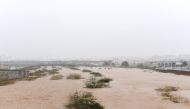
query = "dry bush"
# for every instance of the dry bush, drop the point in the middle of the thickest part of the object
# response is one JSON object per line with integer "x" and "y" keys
{"x": 104, "y": 80}
{"x": 96, "y": 83}
{"x": 39, "y": 75}
{"x": 56, "y": 77}
{"x": 74, "y": 68}
{"x": 86, "y": 70}
{"x": 29, "y": 78}
{"x": 168, "y": 89}
{"x": 166, "y": 93}
{"x": 93, "y": 83}
{"x": 52, "y": 72}
{"x": 96, "y": 74}
{"x": 83, "y": 100}
{"x": 173, "y": 98}
{"x": 74, "y": 76}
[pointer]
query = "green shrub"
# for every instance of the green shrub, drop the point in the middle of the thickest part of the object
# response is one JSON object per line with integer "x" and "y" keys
{"x": 83, "y": 100}
{"x": 56, "y": 77}
{"x": 74, "y": 76}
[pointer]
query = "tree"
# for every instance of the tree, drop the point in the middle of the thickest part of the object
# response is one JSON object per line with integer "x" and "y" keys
{"x": 184, "y": 64}
{"x": 125, "y": 64}
{"x": 107, "y": 63}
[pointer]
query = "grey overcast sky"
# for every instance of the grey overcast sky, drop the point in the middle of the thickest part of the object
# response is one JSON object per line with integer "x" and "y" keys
{"x": 70, "y": 29}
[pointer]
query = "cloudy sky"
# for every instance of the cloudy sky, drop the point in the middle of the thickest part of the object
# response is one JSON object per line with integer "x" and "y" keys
{"x": 70, "y": 29}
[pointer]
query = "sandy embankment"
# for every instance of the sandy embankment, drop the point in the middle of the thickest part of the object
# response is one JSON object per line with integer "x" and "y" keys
{"x": 130, "y": 89}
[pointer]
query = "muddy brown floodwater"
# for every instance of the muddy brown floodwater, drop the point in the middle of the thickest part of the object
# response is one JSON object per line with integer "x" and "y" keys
{"x": 130, "y": 89}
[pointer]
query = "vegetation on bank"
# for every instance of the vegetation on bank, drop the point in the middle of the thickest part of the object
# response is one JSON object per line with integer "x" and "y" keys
{"x": 34, "y": 76}
{"x": 39, "y": 74}
{"x": 7, "y": 82}
{"x": 29, "y": 78}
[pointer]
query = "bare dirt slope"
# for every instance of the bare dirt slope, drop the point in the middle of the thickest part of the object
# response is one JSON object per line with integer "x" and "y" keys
{"x": 130, "y": 89}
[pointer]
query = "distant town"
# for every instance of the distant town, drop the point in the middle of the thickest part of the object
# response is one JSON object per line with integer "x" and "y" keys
{"x": 170, "y": 62}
